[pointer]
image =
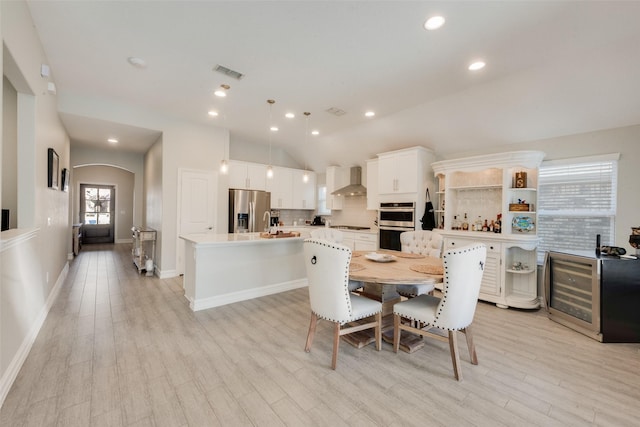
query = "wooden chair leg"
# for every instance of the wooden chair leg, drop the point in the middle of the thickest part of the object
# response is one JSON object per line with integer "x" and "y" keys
{"x": 396, "y": 333}
{"x": 472, "y": 348}
{"x": 378, "y": 331}
{"x": 455, "y": 357}
{"x": 312, "y": 332}
{"x": 336, "y": 344}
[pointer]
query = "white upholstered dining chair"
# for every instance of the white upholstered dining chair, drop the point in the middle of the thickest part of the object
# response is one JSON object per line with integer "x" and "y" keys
{"x": 330, "y": 234}
{"x": 334, "y": 236}
{"x": 327, "y": 266}
{"x": 423, "y": 242}
{"x": 463, "y": 268}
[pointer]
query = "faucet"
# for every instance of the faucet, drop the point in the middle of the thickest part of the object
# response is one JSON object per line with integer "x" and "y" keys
{"x": 265, "y": 215}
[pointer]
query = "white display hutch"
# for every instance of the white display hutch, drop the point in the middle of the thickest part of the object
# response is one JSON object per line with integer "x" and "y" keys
{"x": 483, "y": 187}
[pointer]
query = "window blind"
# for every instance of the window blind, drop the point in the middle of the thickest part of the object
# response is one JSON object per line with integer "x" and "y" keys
{"x": 576, "y": 201}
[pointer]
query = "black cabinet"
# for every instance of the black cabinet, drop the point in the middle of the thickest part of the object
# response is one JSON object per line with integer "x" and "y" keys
{"x": 620, "y": 300}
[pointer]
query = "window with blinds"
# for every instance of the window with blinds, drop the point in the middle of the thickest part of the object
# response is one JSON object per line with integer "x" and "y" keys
{"x": 576, "y": 201}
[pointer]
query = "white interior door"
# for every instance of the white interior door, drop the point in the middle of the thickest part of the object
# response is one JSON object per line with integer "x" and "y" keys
{"x": 197, "y": 207}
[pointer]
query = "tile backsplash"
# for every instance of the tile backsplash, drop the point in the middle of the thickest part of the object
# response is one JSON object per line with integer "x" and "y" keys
{"x": 288, "y": 216}
{"x": 354, "y": 212}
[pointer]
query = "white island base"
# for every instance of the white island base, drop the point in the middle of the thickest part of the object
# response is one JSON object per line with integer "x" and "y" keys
{"x": 226, "y": 268}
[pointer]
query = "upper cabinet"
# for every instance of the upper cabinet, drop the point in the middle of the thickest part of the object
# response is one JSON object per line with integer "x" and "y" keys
{"x": 492, "y": 199}
{"x": 247, "y": 176}
{"x": 287, "y": 187}
{"x": 281, "y": 188}
{"x": 404, "y": 171}
{"x": 304, "y": 193}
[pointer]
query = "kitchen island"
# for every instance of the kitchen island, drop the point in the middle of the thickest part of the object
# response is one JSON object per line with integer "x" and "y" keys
{"x": 226, "y": 268}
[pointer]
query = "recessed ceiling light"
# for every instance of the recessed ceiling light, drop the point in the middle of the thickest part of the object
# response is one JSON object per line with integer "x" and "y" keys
{"x": 112, "y": 140}
{"x": 434, "y": 23}
{"x": 370, "y": 114}
{"x": 274, "y": 128}
{"x": 289, "y": 115}
{"x": 477, "y": 65}
{"x": 213, "y": 113}
{"x": 137, "y": 62}
{"x": 222, "y": 91}
{"x": 315, "y": 132}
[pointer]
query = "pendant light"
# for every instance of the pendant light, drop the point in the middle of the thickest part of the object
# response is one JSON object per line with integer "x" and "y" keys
{"x": 305, "y": 176}
{"x": 271, "y": 129}
{"x": 224, "y": 166}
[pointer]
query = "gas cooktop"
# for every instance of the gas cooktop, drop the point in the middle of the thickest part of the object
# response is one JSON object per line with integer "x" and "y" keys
{"x": 350, "y": 227}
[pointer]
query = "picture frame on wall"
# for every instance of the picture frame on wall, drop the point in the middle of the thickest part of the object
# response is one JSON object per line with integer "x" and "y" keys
{"x": 53, "y": 165}
{"x": 64, "y": 179}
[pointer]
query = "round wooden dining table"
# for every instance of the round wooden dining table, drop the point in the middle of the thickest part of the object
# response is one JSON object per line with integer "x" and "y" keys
{"x": 401, "y": 268}
{"x": 380, "y": 279}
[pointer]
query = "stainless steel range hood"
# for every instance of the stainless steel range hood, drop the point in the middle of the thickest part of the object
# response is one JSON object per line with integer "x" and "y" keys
{"x": 355, "y": 187}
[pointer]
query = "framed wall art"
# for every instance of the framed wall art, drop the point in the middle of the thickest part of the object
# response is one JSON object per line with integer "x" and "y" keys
{"x": 53, "y": 165}
{"x": 64, "y": 179}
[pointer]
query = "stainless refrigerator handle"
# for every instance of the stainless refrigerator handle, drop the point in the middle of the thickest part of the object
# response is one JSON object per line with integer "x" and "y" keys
{"x": 252, "y": 215}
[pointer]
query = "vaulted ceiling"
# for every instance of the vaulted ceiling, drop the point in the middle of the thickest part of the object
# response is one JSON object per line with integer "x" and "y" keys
{"x": 553, "y": 68}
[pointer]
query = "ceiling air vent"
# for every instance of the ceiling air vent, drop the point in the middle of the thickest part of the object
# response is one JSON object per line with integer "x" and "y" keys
{"x": 336, "y": 111}
{"x": 228, "y": 72}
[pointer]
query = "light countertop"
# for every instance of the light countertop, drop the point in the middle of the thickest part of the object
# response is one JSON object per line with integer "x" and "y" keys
{"x": 212, "y": 239}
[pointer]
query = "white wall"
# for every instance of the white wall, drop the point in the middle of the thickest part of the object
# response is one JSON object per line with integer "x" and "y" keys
{"x": 10, "y": 151}
{"x": 152, "y": 196}
{"x": 38, "y": 251}
{"x": 259, "y": 153}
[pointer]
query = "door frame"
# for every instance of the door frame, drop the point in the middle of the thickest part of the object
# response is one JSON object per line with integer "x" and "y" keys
{"x": 114, "y": 206}
{"x": 180, "y": 248}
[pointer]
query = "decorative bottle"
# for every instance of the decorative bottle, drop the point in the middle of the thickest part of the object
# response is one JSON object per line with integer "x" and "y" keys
{"x": 465, "y": 223}
{"x": 478, "y": 223}
{"x": 497, "y": 227}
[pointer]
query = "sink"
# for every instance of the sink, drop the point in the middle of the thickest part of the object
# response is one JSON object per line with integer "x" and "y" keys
{"x": 280, "y": 235}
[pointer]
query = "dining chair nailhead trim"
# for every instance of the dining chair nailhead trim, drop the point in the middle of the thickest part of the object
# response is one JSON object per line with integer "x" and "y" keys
{"x": 346, "y": 288}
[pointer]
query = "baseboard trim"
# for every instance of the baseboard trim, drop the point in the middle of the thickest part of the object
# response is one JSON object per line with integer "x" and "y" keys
{"x": 166, "y": 274}
{"x": 14, "y": 367}
{"x": 217, "y": 301}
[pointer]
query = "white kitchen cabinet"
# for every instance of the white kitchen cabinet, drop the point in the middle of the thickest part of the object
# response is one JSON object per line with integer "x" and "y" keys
{"x": 360, "y": 240}
{"x": 491, "y": 287}
{"x": 336, "y": 179}
{"x": 247, "y": 176}
{"x": 281, "y": 188}
{"x": 373, "y": 202}
{"x": 404, "y": 171}
{"x": 304, "y": 193}
{"x": 485, "y": 188}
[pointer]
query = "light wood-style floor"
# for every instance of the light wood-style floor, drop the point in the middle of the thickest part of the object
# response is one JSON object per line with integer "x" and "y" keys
{"x": 122, "y": 349}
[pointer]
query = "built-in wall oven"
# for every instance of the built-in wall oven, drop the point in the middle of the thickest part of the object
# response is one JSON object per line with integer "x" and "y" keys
{"x": 393, "y": 220}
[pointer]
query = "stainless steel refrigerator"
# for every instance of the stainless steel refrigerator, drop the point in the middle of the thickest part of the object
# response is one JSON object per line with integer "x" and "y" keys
{"x": 247, "y": 211}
